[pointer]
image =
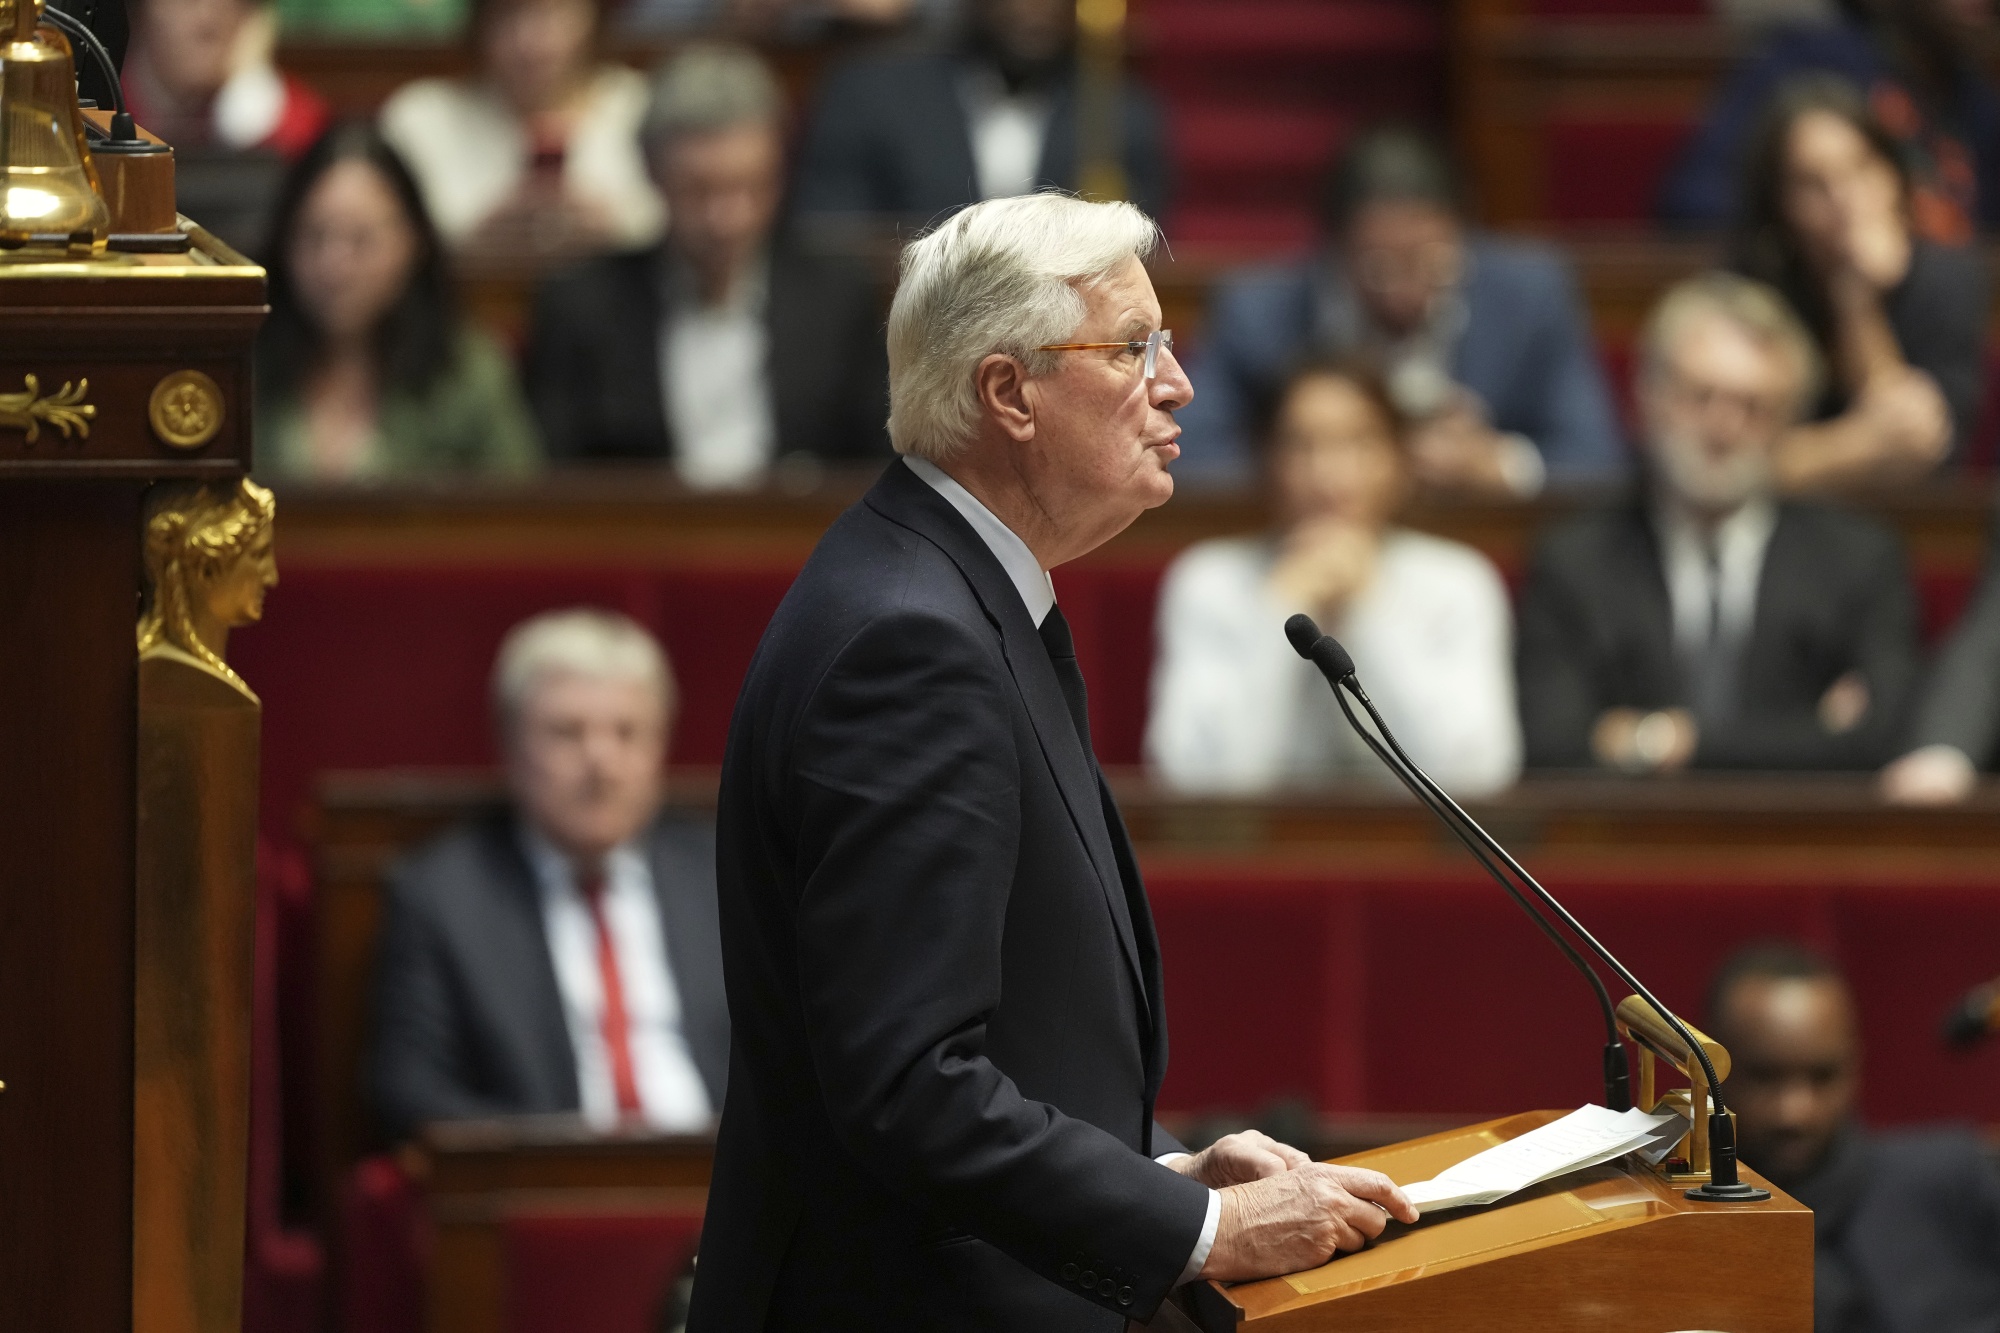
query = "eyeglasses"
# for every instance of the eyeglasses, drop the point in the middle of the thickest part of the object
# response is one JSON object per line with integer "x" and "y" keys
{"x": 1150, "y": 345}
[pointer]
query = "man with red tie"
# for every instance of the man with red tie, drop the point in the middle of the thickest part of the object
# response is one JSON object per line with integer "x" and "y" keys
{"x": 560, "y": 954}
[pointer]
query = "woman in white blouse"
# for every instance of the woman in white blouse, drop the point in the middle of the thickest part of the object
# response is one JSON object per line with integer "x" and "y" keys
{"x": 1235, "y": 710}
{"x": 537, "y": 154}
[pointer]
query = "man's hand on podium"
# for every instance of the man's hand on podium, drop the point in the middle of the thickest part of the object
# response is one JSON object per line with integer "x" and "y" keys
{"x": 1283, "y": 1212}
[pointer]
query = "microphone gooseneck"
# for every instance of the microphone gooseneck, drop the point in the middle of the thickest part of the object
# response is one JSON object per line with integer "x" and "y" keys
{"x": 1337, "y": 666}
{"x": 1326, "y": 652}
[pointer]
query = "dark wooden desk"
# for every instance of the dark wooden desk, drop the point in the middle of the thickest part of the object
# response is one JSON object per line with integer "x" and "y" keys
{"x": 645, "y": 518}
{"x": 479, "y": 1179}
{"x": 1342, "y": 886}
{"x": 477, "y": 1175}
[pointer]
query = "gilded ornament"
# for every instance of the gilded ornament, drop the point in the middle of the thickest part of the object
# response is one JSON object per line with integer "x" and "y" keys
{"x": 209, "y": 562}
{"x": 186, "y": 409}
{"x": 64, "y": 409}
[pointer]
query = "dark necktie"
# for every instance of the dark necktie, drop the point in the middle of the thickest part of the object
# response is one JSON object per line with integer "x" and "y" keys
{"x": 1062, "y": 655}
{"x": 1714, "y": 675}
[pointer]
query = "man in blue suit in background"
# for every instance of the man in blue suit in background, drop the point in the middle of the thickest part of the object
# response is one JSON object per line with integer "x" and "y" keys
{"x": 1484, "y": 341}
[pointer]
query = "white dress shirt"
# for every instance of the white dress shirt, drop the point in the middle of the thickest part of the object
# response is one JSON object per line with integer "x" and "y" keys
{"x": 1235, "y": 710}
{"x": 1008, "y": 130}
{"x": 1038, "y": 594}
{"x": 1691, "y": 567}
{"x": 672, "y": 1096}
{"x": 715, "y": 378}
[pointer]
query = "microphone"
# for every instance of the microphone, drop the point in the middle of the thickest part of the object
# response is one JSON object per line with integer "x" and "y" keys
{"x": 1324, "y": 651}
{"x": 1334, "y": 662}
{"x": 1974, "y": 1018}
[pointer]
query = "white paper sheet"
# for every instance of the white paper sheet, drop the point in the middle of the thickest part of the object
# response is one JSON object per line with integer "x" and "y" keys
{"x": 1583, "y": 1138}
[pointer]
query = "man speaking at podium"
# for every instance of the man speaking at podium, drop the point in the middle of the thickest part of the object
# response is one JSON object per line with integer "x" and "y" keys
{"x": 944, "y": 986}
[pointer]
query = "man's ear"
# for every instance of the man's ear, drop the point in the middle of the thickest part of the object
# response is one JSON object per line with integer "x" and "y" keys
{"x": 1001, "y": 382}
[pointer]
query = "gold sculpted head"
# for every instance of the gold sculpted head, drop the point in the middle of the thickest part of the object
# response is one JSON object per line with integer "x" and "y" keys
{"x": 209, "y": 561}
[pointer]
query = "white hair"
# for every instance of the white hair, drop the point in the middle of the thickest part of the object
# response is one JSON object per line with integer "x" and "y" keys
{"x": 1002, "y": 276}
{"x": 710, "y": 86}
{"x": 582, "y": 641}
{"x": 1754, "y": 307}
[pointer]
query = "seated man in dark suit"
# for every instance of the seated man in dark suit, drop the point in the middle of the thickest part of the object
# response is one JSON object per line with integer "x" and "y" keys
{"x": 910, "y": 133}
{"x": 1906, "y": 1226}
{"x": 1706, "y": 622}
{"x": 728, "y": 348}
{"x": 1484, "y": 341}
{"x": 562, "y": 954}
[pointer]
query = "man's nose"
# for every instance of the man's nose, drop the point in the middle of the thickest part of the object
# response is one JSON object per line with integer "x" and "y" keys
{"x": 1172, "y": 389}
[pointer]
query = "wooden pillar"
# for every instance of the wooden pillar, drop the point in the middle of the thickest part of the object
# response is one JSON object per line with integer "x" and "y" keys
{"x": 88, "y": 419}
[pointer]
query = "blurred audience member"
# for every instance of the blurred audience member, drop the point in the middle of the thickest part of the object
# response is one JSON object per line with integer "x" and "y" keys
{"x": 363, "y": 368}
{"x": 1707, "y": 622}
{"x": 1957, "y": 727}
{"x": 536, "y": 155}
{"x": 727, "y": 348}
{"x": 561, "y": 954}
{"x": 1900, "y": 320}
{"x": 1235, "y": 710}
{"x": 1906, "y": 1225}
{"x": 199, "y": 74}
{"x": 914, "y": 133}
{"x": 1757, "y": 15}
{"x": 1485, "y": 341}
{"x": 1916, "y": 63}
{"x": 787, "y": 19}
{"x": 322, "y": 19}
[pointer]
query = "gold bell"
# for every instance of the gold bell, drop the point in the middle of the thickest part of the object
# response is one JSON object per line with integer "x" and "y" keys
{"x": 47, "y": 183}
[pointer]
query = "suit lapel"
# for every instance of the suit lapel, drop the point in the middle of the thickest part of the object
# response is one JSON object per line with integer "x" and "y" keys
{"x": 517, "y": 948}
{"x": 678, "y": 871}
{"x": 651, "y": 308}
{"x": 1775, "y": 584}
{"x": 904, "y": 498}
{"x": 1646, "y": 585}
{"x": 1145, "y": 939}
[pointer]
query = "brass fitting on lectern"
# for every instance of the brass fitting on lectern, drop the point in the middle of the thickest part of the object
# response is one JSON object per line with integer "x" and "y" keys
{"x": 1689, "y": 1163}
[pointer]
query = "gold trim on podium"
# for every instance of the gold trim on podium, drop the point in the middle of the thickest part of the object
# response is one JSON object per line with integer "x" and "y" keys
{"x": 208, "y": 560}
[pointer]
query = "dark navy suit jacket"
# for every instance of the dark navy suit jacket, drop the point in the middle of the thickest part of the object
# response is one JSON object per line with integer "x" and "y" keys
{"x": 944, "y": 986}
{"x": 1595, "y": 631}
{"x": 889, "y": 135}
{"x": 1906, "y": 1235}
{"x": 468, "y": 1015}
{"x": 1525, "y": 350}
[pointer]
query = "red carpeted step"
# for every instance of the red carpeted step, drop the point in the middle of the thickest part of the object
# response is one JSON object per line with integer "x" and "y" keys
{"x": 1623, "y": 9}
{"x": 1206, "y": 30}
{"x": 1248, "y": 233}
{"x": 1237, "y": 141}
{"x": 1260, "y": 93}
{"x": 1609, "y": 170}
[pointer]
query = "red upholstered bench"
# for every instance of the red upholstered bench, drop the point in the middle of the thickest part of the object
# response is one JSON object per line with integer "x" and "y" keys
{"x": 605, "y": 1272}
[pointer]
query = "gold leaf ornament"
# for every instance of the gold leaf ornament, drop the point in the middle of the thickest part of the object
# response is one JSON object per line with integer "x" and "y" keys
{"x": 64, "y": 409}
{"x": 186, "y": 409}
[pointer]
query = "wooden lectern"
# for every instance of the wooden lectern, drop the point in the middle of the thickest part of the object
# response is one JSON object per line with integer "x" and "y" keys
{"x": 124, "y": 1024}
{"x": 1614, "y": 1249}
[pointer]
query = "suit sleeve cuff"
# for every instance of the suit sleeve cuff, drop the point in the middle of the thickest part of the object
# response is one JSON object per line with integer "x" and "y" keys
{"x": 1206, "y": 1241}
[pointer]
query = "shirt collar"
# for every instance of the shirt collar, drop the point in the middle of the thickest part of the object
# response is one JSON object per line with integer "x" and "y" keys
{"x": 1038, "y": 591}
{"x": 554, "y": 873}
{"x": 745, "y": 299}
